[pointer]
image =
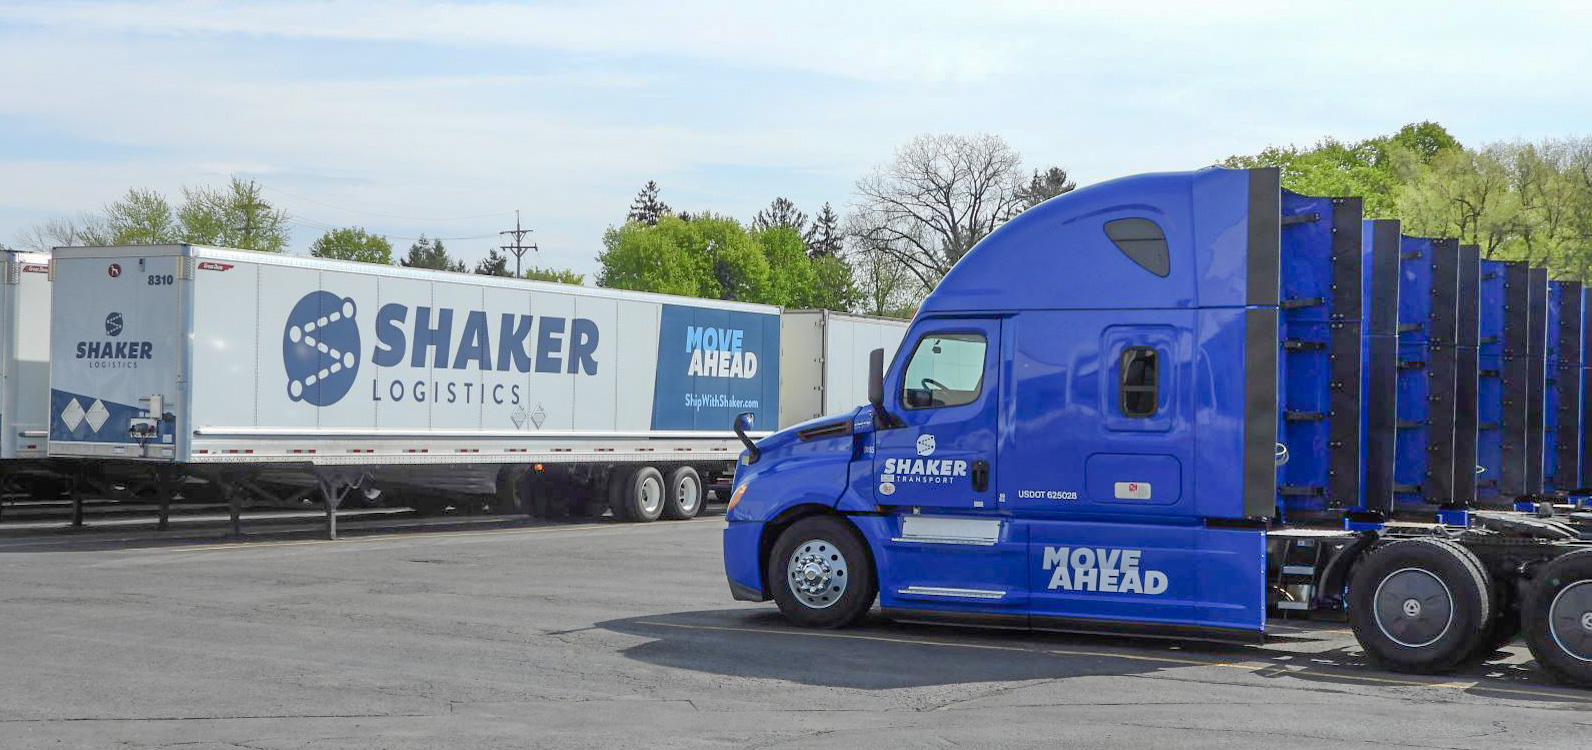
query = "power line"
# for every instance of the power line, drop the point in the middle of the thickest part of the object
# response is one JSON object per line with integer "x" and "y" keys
{"x": 322, "y": 225}
{"x": 518, "y": 248}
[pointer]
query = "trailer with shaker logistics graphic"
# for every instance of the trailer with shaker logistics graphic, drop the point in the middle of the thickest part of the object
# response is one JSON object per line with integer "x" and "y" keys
{"x": 1179, "y": 404}
{"x": 267, "y": 374}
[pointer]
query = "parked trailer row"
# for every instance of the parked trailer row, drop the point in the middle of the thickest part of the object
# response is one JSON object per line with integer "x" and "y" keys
{"x": 267, "y": 377}
{"x": 1174, "y": 404}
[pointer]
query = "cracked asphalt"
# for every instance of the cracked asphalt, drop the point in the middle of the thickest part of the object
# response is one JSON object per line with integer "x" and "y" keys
{"x": 607, "y": 635}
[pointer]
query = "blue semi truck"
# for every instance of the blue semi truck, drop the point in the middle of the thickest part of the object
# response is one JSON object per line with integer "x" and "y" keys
{"x": 1178, "y": 404}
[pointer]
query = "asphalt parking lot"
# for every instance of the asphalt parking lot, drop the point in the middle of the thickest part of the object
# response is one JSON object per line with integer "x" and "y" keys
{"x": 607, "y": 635}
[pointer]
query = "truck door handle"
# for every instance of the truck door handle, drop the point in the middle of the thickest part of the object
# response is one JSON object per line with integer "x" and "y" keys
{"x": 980, "y": 476}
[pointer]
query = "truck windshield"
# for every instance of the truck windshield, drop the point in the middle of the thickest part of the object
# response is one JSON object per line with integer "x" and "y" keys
{"x": 945, "y": 370}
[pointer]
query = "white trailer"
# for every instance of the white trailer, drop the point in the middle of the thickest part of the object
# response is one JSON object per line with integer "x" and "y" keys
{"x": 256, "y": 371}
{"x": 24, "y": 355}
{"x": 824, "y": 360}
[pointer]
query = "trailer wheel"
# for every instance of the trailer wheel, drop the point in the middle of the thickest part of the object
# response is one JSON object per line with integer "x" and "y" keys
{"x": 683, "y": 499}
{"x": 1420, "y": 605}
{"x": 1558, "y": 618}
{"x": 643, "y": 495}
{"x": 821, "y": 574}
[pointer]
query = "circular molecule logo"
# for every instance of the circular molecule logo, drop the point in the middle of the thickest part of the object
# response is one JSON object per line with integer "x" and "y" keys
{"x": 320, "y": 348}
{"x": 113, "y": 324}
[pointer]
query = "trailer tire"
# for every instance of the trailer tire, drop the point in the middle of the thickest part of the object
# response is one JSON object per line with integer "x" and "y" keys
{"x": 1420, "y": 605}
{"x": 643, "y": 495}
{"x": 684, "y": 496}
{"x": 821, "y": 574}
{"x": 1558, "y": 618}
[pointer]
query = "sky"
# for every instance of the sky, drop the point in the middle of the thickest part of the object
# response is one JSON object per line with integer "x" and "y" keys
{"x": 444, "y": 118}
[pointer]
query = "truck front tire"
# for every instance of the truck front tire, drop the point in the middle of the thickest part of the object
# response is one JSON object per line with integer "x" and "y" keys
{"x": 820, "y": 573}
{"x": 1420, "y": 605}
{"x": 1558, "y": 618}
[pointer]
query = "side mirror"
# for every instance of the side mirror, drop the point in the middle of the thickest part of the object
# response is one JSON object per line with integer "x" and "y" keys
{"x": 881, "y": 417}
{"x": 743, "y": 422}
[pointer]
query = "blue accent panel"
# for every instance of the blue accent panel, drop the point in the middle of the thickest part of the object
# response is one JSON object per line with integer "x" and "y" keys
{"x": 703, "y": 356}
{"x": 1068, "y": 261}
{"x": 1218, "y": 408}
{"x": 1415, "y": 351}
{"x": 1491, "y": 334}
{"x": 990, "y": 568}
{"x": 1211, "y": 577}
{"x": 1550, "y": 394}
{"x": 743, "y": 563}
{"x": 113, "y": 430}
{"x": 1457, "y": 518}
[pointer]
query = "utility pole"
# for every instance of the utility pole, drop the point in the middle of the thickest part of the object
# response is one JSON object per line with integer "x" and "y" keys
{"x": 519, "y": 247}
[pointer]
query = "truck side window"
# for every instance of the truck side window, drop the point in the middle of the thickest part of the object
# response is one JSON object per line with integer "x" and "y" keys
{"x": 1143, "y": 242}
{"x": 1140, "y": 383}
{"x": 946, "y": 369}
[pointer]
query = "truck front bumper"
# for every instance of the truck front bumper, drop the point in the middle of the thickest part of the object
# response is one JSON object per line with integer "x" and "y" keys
{"x": 743, "y": 560}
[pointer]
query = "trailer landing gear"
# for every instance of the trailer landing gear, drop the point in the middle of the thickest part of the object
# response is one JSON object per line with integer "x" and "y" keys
{"x": 1420, "y": 605}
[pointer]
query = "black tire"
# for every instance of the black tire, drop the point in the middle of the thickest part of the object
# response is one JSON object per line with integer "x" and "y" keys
{"x": 1558, "y": 618}
{"x": 618, "y": 482}
{"x": 1420, "y": 605}
{"x": 840, "y": 559}
{"x": 643, "y": 495}
{"x": 684, "y": 496}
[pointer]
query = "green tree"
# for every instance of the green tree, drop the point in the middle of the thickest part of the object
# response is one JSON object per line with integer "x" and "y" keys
{"x": 142, "y": 217}
{"x": 555, "y": 275}
{"x": 648, "y": 208}
{"x": 835, "y": 287}
{"x": 494, "y": 264}
{"x": 780, "y": 213}
{"x": 353, "y": 243}
{"x": 236, "y": 216}
{"x": 429, "y": 253}
{"x": 1376, "y": 169}
{"x": 739, "y": 270}
{"x": 824, "y": 237}
{"x": 1045, "y": 185}
{"x": 659, "y": 258}
{"x": 792, "y": 277}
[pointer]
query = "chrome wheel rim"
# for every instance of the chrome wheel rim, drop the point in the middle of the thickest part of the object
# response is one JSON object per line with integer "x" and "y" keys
{"x": 690, "y": 493}
{"x": 651, "y": 491}
{"x": 1413, "y": 607}
{"x": 1570, "y": 620}
{"x": 817, "y": 573}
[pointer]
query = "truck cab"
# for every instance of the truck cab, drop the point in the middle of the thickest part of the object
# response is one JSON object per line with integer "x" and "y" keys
{"x": 1078, "y": 431}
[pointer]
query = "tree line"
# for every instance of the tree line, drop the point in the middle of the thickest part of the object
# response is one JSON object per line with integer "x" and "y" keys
{"x": 239, "y": 216}
{"x": 915, "y": 216}
{"x": 1516, "y": 200}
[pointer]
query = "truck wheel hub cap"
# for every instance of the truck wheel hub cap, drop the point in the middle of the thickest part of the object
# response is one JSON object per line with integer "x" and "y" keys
{"x": 1413, "y": 607}
{"x": 817, "y": 574}
{"x": 1570, "y": 620}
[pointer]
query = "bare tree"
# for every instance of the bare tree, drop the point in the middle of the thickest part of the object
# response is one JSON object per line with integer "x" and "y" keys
{"x": 87, "y": 230}
{"x": 883, "y": 285}
{"x": 937, "y": 198}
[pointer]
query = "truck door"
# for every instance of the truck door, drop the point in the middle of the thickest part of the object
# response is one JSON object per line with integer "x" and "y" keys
{"x": 943, "y": 394}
